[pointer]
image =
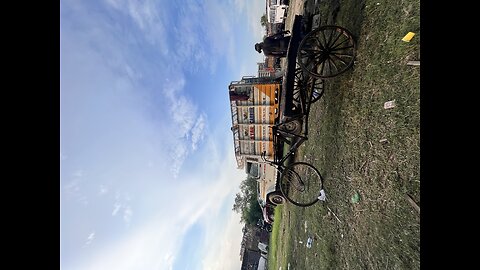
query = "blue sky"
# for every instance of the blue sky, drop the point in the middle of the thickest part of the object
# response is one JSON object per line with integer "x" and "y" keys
{"x": 148, "y": 174}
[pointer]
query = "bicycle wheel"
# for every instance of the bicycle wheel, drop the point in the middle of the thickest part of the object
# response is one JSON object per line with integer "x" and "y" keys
{"x": 301, "y": 183}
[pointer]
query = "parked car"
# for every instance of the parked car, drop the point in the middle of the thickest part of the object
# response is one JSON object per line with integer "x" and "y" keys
{"x": 264, "y": 225}
{"x": 267, "y": 188}
{"x": 262, "y": 263}
{"x": 268, "y": 213}
{"x": 263, "y": 247}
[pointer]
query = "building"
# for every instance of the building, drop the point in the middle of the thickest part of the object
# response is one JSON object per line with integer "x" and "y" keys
{"x": 254, "y": 102}
{"x": 250, "y": 260}
{"x": 265, "y": 71}
{"x": 254, "y": 107}
{"x": 250, "y": 253}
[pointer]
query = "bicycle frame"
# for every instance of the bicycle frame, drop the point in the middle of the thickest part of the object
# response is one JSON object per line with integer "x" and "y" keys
{"x": 277, "y": 133}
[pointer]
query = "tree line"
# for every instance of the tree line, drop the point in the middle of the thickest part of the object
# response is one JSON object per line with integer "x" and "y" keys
{"x": 246, "y": 202}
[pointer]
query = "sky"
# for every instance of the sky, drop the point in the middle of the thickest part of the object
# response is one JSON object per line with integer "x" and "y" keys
{"x": 147, "y": 170}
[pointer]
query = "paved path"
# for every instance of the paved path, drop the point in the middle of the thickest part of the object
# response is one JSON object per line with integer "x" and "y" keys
{"x": 295, "y": 8}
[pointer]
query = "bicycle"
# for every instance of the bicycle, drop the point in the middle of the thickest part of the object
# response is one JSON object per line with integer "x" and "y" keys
{"x": 300, "y": 182}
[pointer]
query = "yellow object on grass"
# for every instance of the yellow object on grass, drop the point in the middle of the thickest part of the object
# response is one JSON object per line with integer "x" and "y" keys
{"x": 408, "y": 37}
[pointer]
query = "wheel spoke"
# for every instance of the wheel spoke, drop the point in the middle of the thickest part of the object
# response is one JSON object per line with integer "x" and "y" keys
{"x": 325, "y": 38}
{"x": 307, "y": 52}
{"x": 319, "y": 43}
{"x": 318, "y": 84}
{"x": 336, "y": 39}
{"x": 323, "y": 65}
{"x": 333, "y": 62}
{"x": 317, "y": 90}
{"x": 340, "y": 59}
{"x": 336, "y": 46}
{"x": 298, "y": 76}
{"x": 310, "y": 44}
{"x": 308, "y": 61}
{"x": 337, "y": 49}
{"x": 329, "y": 65}
{"x": 331, "y": 41}
{"x": 342, "y": 54}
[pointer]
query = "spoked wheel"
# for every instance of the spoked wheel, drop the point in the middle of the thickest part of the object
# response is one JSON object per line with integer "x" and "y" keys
{"x": 292, "y": 127}
{"x": 313, "y": 87}
{"x": 327, "y": 51}
{"x": 301, "y": 183}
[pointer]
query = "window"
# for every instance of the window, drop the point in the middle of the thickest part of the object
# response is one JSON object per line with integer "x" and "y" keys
{"x": 252, "y": 169}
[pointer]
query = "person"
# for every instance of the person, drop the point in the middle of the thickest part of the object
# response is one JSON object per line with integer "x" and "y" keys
{"x": 274, "y": 45}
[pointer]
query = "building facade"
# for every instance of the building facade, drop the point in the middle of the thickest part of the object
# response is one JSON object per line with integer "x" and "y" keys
{"x": 254, "y": 107}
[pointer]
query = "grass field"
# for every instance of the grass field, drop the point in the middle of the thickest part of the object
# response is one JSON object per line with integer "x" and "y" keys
{"x": 362, "y": 148}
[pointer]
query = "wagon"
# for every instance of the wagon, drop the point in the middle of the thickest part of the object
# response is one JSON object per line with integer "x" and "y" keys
{"x": 313, "y": 57}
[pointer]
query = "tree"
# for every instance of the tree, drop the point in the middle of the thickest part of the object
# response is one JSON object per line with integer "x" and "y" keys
{"x": 239, "y": 203}
{"x": 246, "y": 202}
{"x": 263, "y": 20}
{"x": 253, "y": 213}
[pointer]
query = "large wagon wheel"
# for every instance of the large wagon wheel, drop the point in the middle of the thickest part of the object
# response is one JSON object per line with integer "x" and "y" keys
{"x": 313, "y": 87}
{"x": 327, "y": 51}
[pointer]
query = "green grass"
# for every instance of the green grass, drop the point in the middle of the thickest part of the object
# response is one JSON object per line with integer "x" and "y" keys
{"x": 347, "y": 132}
{"x": 272, "y": 246}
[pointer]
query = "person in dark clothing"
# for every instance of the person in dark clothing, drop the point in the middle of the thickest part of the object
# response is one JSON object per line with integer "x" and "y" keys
{"x": 274, "y": 45}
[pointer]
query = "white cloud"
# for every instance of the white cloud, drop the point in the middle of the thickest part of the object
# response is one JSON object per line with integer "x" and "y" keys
{"x": 116, "y": 208}
{"x": 72, "y": 187}
{"x": 169, "y": 259}
{"x": 140, "y": 249}
{"x": 103, "y": 190}
{"x": 155, "y": 242}
{"x": 78, "y": 173}
{"x": 178, "y": 155}
{"x": 122, "y": 203}
{"x": 240, "y": 4}
{"x": 188, "y": 122}
{"x": 197, "y": 130}
{"x": 254, "y": 15}
{"x": 254, "y": 11}
{"x": 90, "y": 238}
{"x": 132, "y": 74}
{"x": 72, "y": 190}
{"x": 114, "y": 3}
{"x": 83, "y": 200}
{"x": 148, "y": 17}
{"x": 224, "y": 254}
{"x": 127, "y": 215}
{"x": 183, "y": 113}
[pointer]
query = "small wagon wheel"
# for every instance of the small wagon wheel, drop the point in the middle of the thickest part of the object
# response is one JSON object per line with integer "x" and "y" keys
{"x": 291, "y": 127}
{"x": 313, "y": 87}
{"x": 327, "y": 51}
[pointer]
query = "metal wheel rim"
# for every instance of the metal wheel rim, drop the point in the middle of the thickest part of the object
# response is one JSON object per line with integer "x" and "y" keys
{"x": 291, "y": 126}
{"x": 313, "y": 189}
{"x": 313, "y": 86}
{"x": 327, "y": 51}
{"x": 277, "y": 199}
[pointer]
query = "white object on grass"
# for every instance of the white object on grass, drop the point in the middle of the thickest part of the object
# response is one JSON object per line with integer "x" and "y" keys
{"x": 322, "y": 196}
